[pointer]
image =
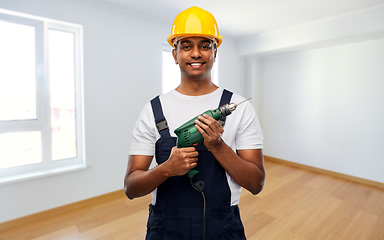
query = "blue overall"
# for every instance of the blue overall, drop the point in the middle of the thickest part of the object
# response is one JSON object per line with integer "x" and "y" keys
{"x": 178, "y": 212}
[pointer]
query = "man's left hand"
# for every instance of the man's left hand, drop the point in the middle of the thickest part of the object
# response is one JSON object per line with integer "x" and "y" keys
{"x": 211, "y": 130}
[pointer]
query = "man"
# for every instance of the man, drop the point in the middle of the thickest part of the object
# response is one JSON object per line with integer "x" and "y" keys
{"x": 229, "y": 159}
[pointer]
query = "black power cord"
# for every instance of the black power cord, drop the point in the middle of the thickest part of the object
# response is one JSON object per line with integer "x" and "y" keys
{"x": 198, "y": 186}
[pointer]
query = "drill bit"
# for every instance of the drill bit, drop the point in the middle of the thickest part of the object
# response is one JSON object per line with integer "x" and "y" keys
{"x": 227, "y": 109}
{"x": 242, "y": 102}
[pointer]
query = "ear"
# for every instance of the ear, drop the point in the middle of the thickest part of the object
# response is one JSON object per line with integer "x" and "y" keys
{"x": 215, "y": 53}
{"x": 174, "y": 54}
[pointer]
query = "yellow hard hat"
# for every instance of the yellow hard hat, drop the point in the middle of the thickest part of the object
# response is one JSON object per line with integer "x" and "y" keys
{"x": 194, "y": 22}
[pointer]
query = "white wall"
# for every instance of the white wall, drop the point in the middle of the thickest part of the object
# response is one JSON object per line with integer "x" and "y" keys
{"x": 253, "y": 81}
{"x": 359, "y": 26}
{"x": 324, "y": 108}
{"x": 231, "y": 67}
{"x": 321, "y": 92}
{"x": 122, "y": 57}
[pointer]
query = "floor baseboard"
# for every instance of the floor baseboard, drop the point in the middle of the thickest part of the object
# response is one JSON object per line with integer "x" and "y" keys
{"x": 55, "y": 211}
{"x": 120, "y": 193}
{"x": 326, "y": 172}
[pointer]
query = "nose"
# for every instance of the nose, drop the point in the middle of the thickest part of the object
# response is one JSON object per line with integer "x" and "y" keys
{"x": 196, "y": 53}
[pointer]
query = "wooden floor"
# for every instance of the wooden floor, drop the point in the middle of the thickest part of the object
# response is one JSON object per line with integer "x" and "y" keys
{"x": 295, "y": 204}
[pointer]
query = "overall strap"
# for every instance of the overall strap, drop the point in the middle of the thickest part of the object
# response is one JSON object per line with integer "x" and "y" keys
{"x": 225, "y": 99}
{"x": 161, "y": 122}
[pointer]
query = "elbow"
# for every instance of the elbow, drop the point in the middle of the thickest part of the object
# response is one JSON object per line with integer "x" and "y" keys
{"x": 258, "y": 187}
{"x": 130, "y": 197}
{"x": 128, "y": 193}
{"x": 257, "y": 190}
{"x": 129, "y": 190}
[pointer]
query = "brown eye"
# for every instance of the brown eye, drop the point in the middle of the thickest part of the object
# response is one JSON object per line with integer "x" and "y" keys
{"x": 206, "y": 47}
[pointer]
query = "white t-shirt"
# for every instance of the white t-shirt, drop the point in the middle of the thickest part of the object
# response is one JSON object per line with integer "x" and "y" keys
{"x": 241, "y": 131}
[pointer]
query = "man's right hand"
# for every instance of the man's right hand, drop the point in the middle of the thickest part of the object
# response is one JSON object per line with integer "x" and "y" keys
{"x": 181, "y": 161}
{"x": 140, "y": 180}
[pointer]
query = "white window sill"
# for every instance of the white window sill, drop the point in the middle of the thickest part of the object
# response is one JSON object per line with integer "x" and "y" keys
{"x": 41, "y": 174}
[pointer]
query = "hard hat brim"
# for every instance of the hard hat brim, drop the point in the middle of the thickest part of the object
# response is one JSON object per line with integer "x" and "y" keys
{"x": 171, "y": 38}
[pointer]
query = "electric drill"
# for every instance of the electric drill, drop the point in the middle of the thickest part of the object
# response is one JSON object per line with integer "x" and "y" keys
{"x": 188, "y": 136}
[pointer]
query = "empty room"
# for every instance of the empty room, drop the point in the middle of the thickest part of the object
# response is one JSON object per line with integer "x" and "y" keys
{"x": 124, "y": 119}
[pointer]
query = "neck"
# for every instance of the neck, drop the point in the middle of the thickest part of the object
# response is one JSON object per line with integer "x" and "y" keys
{"x": 196, "y": 88}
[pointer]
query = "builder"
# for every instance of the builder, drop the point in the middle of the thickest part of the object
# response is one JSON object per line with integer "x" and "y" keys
{"x": 229, "y": 159}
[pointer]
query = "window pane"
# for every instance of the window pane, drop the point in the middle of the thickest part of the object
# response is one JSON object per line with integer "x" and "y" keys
{"x": 62, "y": 89}
{"x": 20, "y": 148}
{"x": 18, "y": 72}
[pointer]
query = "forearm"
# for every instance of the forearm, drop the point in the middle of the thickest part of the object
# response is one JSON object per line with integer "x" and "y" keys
{"x": 239, "y": 166}
{"x": 141, "y": 182}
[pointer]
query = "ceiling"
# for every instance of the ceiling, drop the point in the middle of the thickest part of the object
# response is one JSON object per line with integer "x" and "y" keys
{"x": 246, "y": 18}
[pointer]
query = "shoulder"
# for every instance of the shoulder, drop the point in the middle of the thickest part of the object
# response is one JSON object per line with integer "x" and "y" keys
{"x": 236, "y": 98}
{"x": 244, "y": 114}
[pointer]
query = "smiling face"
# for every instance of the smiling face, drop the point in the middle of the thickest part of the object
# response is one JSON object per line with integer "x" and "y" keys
{"x": 195, "y": 56}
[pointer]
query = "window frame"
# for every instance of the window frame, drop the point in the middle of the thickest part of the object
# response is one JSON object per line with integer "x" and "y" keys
{"x": 42, "y": 123}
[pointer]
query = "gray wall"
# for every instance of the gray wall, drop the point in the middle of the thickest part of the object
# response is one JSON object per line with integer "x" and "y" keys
{"x": 325, "y": 108}
{"x": 319, "y": 90}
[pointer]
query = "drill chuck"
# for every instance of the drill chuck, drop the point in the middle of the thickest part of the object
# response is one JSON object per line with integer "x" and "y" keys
{"x": 227, "y": 109}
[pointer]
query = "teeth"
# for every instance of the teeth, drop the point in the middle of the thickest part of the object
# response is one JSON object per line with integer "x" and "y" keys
{"x": 196, "y": 64}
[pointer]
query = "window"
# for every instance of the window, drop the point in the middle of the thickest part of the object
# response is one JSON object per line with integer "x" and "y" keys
{"x": 41, "y": 130}
{"x": 171, "y": 71}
